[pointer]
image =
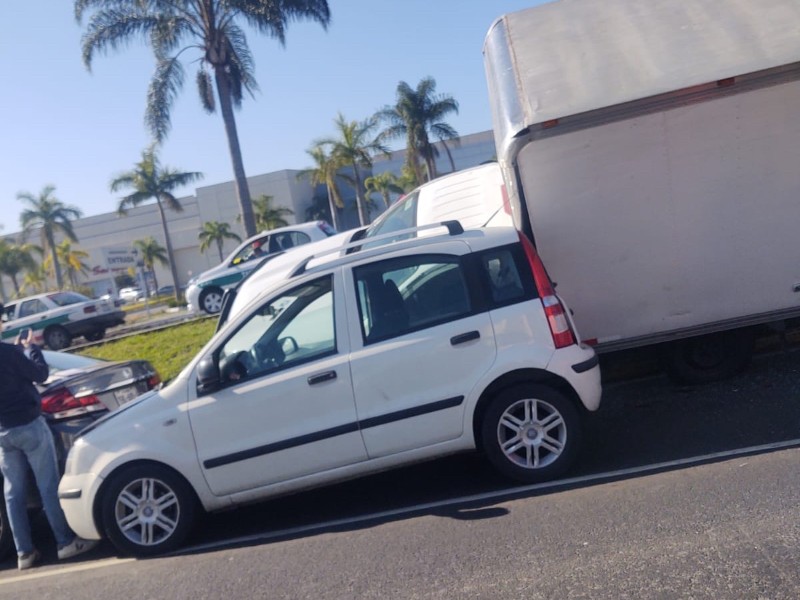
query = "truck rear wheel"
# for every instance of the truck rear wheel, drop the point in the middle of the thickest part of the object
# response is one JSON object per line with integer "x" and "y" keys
{"x": 708, "y": 358}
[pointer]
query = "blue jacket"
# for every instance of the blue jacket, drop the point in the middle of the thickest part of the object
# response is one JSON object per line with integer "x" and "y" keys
{"x": 19, "y": 399}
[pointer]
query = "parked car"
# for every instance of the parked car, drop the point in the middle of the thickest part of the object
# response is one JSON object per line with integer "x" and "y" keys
{"x": 204, "y": 292}
{"x": 131, "y": 294}
{"x": 349, "y": 365}
{"x": 78, "y": 391}
{"x": 58, "y": 317}
{"x": 164, "y": 290}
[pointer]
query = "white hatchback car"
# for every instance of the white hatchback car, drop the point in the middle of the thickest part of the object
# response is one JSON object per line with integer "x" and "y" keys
{"x": 204, "y": 292}
{"x": 351, "y": 364}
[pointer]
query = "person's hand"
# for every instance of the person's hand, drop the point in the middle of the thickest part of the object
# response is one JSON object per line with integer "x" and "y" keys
{"x": 25, "y": 338}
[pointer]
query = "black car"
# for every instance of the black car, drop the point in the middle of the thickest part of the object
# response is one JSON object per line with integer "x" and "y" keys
{"x": 79, "y": 391}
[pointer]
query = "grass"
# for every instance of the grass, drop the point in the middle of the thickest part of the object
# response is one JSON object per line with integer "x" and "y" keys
{"x": 168, "y": 350}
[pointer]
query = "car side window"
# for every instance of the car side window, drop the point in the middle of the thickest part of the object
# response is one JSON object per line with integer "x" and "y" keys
{"x": 294, "y": 328}
{"x": 401, "y": 215}
{"x": 255, "y": 249}
{"x": 31, "y": 307}
{"x": 398, "y": 296}
{"x": 288, "y": 239}
{"x": 504, "y": 280}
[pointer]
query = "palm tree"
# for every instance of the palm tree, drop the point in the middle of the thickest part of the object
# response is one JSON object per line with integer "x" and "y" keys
{"x": 72, "y": 261}
{"x": 418, "y": 117}
{"x": 319, "y": 209}
{"x": 355, "y": 147}
{"x": 35, "y": 280}
{"x": 47, "y": 212}
{"x": 149, "y": 179}
{"x": 15, "y": 258}
{"x": 268, "y": 216}
{"x": 212, "y": 27}
{"x": 152, "y": 252}
{"x": 324, "y": 172}
{"x": 215, "y": 232}
{"x": 385, "y": 184}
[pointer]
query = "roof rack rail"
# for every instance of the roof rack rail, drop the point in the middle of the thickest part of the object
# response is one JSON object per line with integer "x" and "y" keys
{"x": 453, "y": 228}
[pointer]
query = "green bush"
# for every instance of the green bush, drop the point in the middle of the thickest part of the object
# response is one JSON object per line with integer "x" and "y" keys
{"x": 168, "y": 349}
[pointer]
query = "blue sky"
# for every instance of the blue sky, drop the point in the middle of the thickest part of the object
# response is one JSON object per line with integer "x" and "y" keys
{"x": 65, "y": 126}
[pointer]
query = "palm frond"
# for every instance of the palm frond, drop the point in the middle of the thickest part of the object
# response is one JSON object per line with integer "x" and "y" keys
{"x": 167, "y": 81}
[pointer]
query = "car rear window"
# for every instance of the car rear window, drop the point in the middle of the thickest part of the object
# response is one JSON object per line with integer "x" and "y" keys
{"x": 67, "y": 298}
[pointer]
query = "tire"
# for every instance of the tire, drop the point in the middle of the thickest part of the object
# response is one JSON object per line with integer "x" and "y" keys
{"x": 211, "y": 300}
{"x": 147, "y": 510}
{"x": 95, "y": 336}
{"x": 57, "y": 338}
{"x": 708, "y": 358}
{"x": 531, "y": 433}
{"x": 6, "y": 537}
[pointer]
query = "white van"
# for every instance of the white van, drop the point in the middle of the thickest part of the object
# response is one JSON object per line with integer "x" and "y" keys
{"x": 474, "y": 197}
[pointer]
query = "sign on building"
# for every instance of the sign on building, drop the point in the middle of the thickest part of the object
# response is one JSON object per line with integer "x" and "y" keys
{"x": 120, "y": 259}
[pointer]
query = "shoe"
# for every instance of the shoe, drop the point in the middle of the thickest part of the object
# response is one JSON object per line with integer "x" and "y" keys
{"x": 75, "y": 547}
{"x": 27, "y": 560}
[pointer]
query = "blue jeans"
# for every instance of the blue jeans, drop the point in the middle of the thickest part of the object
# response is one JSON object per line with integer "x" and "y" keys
{"x": 31, "y": 444}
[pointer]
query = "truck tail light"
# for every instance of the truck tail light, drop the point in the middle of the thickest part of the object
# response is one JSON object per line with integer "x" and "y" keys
{"x": 560, "y": 327}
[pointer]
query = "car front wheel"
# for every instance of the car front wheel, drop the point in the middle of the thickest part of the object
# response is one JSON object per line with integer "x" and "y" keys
{"x": 57, "y": 338}
{"x": 147, "y": 510}
{"x": 531, "y": 433}
{"x": 211, "y": 300}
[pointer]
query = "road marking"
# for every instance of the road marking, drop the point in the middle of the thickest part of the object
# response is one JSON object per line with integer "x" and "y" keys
{"x": 421, "y": 508}
{"x": 507, "y": 492}
{"x": 100, "y": 564}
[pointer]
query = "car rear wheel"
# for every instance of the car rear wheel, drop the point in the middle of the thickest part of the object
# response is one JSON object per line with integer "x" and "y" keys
{"x": 147, "y": 510}
{"x": 211, "y": 300}
{"x": 57, "y": 338}
{"x": 96, "y": 336}
{"x": 531, "y": 433}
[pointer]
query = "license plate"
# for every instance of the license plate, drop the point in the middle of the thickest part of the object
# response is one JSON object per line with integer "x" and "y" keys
{"x": 126, "y": 394}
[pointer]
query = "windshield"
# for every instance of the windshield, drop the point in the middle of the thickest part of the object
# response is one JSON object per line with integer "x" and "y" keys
{"x": 401, "y": 215}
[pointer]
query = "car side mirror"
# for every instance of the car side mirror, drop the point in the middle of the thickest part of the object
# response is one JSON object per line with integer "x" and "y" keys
{"x": 208, "y": 379}
{"x": 288, "y": 345}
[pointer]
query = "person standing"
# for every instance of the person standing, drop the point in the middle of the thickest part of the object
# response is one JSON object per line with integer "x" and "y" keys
{"x": 26, "y": 441}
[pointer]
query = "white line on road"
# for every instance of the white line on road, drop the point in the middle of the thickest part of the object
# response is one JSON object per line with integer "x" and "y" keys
{"x": 294, "y": 531}
{"x": 98, "y": 564}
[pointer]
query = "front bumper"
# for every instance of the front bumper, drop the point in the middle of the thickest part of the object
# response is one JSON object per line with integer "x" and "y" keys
{"x": 193, "y": 298}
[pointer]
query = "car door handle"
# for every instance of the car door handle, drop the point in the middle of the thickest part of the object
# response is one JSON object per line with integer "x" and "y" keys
{"x": 464, "y": 337}
{"x": 327, "y": 376}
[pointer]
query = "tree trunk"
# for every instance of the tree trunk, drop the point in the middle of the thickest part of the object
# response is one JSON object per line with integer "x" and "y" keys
{"x": 332, "y": 206}
{"x": 170, "y": 255}
{"x": 219, "y": 249}
{"x": 242, "y": 190}
{"x": 54, "y": 257}
{"x": 363, "y": 218}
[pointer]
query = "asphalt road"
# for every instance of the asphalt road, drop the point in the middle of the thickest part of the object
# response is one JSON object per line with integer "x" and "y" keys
{"x": 657, "y": 507}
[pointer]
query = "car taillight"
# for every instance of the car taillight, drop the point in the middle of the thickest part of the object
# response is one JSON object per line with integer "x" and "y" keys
{"x": 556, "y": 317}
{"x": 62, "y": 403}
{"x": 89, "y": 309}
{"x": 153, "y": 381}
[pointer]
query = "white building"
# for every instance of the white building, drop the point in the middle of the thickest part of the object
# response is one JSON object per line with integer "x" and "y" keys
{"x": 97, "y": 234}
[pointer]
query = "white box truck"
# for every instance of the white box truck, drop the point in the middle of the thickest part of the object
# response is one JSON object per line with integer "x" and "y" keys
{"x": 651, "y": 148}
